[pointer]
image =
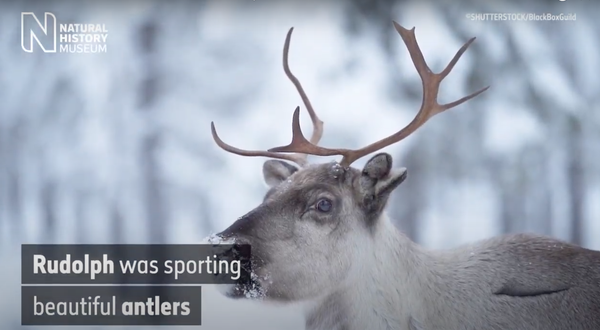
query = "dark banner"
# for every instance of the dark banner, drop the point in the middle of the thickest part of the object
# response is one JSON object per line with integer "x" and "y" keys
{"x": 135, "y": 264}
{"x": 111, "y": 305}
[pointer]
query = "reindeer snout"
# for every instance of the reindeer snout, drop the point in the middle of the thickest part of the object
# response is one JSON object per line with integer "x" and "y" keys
{"x": 232, "y": 236}
{"x": 231, "y": 239}
{"x": 240, "y": 230}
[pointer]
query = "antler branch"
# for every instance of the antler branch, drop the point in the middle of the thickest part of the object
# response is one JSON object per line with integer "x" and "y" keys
{"x": 298, "y": 158}
{"x": 429, "y": 108}
{"x": 317, "y": 123}
{"x": 429, "y": 105}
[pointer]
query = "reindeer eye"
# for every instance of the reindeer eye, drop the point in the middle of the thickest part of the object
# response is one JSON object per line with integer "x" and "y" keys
{"x": 324, "y": 205}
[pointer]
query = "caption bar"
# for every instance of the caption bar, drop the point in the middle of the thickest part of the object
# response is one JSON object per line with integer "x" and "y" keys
{"x": 135, "y": 264}
{"x": 158, "y": 266}
{"x": 111, "y": 305}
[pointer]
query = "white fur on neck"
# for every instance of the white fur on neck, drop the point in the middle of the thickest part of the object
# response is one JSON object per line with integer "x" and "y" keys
{"x": 382, "y": 291}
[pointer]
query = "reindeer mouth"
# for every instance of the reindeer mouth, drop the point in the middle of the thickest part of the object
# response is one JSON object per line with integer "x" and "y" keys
{"x": 249, "y": 290}
{"x": 248, "y": 286}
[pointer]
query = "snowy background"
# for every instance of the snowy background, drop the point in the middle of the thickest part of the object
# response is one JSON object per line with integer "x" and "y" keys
{"x": 116, "y": 147}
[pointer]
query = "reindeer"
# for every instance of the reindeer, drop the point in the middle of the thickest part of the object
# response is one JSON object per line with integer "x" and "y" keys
{"x": 321, "y": 237}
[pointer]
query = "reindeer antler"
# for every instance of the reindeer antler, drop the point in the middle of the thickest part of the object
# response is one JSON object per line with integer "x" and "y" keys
{"x": 299, "y": 157}
{"x": 429, "y": 108}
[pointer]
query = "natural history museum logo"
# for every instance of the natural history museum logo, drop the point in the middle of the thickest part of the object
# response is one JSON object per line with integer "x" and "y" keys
{"x": 45, "y": 34}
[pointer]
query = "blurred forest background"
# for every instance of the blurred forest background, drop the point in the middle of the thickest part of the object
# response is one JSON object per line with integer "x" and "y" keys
{"x": 116, "y": 147}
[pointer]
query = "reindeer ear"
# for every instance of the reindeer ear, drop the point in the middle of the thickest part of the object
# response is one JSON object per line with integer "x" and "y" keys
{"x": 378, "y": 180}
{"x": 276, "y": 171}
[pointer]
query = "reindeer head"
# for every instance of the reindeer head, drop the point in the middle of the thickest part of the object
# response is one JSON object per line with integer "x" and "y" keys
{"x": 316, "y": 218}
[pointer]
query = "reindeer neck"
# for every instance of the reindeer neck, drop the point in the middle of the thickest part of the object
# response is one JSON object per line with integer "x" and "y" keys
{"x": 385, "y": 288}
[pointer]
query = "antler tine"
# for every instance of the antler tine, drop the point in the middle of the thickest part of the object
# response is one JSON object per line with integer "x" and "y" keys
{"x": 298, "y": 159}
{"x": 301, "y": 145}
{"x": 317, "y": 123}
{"x": 429, "y": 106}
